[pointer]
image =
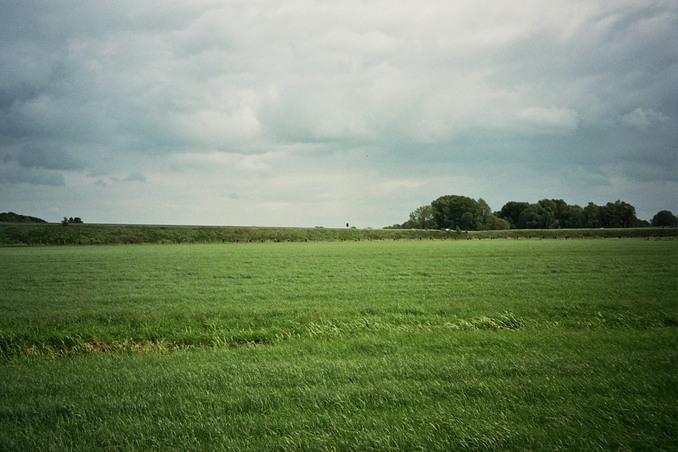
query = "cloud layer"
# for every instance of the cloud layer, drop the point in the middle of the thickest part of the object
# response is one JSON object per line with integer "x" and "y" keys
{"x": 306, "y": 113}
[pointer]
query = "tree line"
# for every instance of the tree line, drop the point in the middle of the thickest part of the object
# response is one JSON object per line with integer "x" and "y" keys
{"x": 71, "y": 220}
{"x": 464, "y": 213}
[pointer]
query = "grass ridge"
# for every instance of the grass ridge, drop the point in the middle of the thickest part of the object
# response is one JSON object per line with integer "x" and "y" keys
{"x": 17, "y": 234}
{"x": 322, "y": 329}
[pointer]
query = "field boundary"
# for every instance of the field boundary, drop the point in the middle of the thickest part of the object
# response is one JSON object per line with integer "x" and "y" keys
{"x": 22, "y": 234}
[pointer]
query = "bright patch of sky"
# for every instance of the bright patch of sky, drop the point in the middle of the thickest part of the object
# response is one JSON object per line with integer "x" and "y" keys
{"x": 310, "y": 113}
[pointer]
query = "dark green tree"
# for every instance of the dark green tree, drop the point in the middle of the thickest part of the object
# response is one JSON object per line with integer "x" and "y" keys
{"x": 495, "y": 223}
{"x": 454, "y": 211}
{"x": 664, "y": 218}
{"x": 451, "y": 211}
{"x": 560, "y": 215}
{"x": 618, "y": 215}
{"x": 71, "y": 220}
{"x": 550, "y": 209}
{"x": 422, "y": 218}
{"x": 591, "y": 216}
{"x": 511, "y": 213}
{"x": 574, "y": 217}
{"x": 534, "y": 217}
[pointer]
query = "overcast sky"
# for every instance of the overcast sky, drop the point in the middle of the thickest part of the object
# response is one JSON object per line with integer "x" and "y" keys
{"x": 317, "y": 113}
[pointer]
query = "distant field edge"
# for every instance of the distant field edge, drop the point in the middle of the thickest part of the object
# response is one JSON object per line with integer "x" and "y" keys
{"x": 18, "y": 234}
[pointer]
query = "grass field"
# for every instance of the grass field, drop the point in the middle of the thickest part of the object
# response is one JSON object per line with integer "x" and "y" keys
{"x": 415, "y": 345}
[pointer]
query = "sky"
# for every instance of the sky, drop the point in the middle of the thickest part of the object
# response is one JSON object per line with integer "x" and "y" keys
{"x": 314, "y": 113}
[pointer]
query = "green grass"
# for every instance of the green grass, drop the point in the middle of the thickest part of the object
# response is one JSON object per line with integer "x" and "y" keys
{"x": 421, "y": 345}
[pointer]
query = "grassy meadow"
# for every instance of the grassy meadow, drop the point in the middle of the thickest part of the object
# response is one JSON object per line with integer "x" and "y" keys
{"x": 381, "y": 345}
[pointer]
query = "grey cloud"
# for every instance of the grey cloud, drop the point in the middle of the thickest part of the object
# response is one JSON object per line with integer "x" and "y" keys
{"x": 551, "y": 118}
{"x": 617, "y": 53}
{"x": 34, "y": 165}
{"x": 20, "y": 92}
{"x": 438, "y": 89}
{"x": 35, "y": 176}
{"x": 135, "y": 177}
{"x": 49, "y": 159}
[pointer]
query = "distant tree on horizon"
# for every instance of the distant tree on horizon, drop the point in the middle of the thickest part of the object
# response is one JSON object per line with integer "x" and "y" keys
{"x": 71, "y": 220}
{"x": 664, "y": 218}
{"x": 422, "y": 218}
{"x": 454, "y": 211}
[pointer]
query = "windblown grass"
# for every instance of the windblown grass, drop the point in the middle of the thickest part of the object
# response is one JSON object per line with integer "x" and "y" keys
{"x": 472, "y": 345}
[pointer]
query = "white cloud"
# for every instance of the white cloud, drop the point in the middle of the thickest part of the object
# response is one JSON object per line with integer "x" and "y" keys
{"x": 215, "y": 128}
{"x": 549, "y": 119}
{"x": 643, "y": 119}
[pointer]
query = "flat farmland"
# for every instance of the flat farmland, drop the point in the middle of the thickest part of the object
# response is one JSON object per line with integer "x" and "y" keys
{"x": 396, "y": 345}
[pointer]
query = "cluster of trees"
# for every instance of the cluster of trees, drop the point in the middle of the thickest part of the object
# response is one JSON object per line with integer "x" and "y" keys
{"x": 454, "y": 212}
{"x": 664, "y": 218}
{"x": 71, "y": 220}
{"x": 557, "y": 214}
{"x": 11, "y": 217}
{"x": 464, "y": 213}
